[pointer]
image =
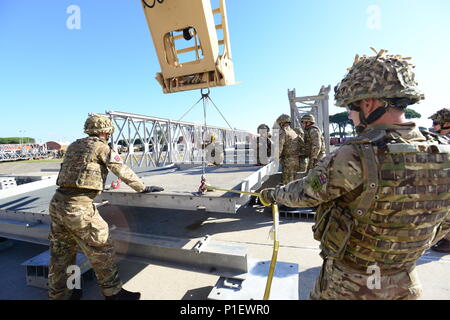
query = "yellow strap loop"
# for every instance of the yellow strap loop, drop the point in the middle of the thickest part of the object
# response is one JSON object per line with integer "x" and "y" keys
{"x": 276, "y": 244}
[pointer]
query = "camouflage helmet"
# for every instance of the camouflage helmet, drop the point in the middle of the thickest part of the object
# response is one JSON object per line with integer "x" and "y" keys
{"x": 308, "y": 117}
{"x": 442, "y": 116}
{"x": 97, "y": 124}
{"x": 283, "y": 119}
{"x": 263, "y": 127}
{"x": 380, "y": 76}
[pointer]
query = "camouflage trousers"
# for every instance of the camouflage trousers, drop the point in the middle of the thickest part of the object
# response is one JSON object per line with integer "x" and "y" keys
{"x": 290, "y": 167}
{"x": 76, "y": 222}
{"x": 339, "y": 282}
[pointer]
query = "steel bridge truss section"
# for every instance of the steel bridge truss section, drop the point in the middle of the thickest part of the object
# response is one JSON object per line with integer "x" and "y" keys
{"x": 150, "y": 142}
{"x": 23, "y": 151}
{"x": 315, "y": 105}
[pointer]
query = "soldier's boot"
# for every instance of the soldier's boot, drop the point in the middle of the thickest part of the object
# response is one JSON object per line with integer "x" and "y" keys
{"x": 442, "y": 246}
{"x": 76, "y": 294}
{"x": 124, "y": 295}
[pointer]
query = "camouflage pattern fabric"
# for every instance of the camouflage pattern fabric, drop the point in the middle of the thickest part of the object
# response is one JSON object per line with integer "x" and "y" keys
{"x": 76, "y": 223}
{"x": 447, "y": 237}
{"x": 263, "y": 150}
{"x": 283, "y": 119}
{"x": 338, "y": 282}
{"x": 303, "y": 158}
{"x": 290, "y": 168}
{"x": 289, "y": 153}
{"x": 308, "y": 117}
{"x": 86, "y": 165}
{"x": 442, "y": 116}
{"x": 409, "y": 205}
{"x": 314, "y": 145}
{"x": 380, "y": 76}
{"x": 97, "y": 124}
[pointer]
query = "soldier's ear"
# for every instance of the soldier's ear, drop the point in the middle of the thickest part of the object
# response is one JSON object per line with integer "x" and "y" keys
{"x": 369, "y": 105}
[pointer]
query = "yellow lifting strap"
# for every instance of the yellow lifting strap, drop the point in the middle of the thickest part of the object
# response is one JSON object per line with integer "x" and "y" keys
{"x": 273, "y": 235}
{"x": 211, "y": 188}
{"x": 276, "y": 244}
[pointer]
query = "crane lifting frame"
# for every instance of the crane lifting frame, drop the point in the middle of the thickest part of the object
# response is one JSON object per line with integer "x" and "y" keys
{"x": 186, "y": 36}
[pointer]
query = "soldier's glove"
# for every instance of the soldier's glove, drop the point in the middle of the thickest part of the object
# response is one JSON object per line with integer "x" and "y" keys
{"x": 267, "y": 197}
{"x": 149, "y": 189}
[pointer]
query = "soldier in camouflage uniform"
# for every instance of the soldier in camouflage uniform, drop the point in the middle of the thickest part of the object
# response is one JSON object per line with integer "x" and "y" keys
{"x": 76, "y": 222}
{"x": 441, "y": 124}
{"x": 289, "y": 149}
{"x": 314, "y": 140}
{"x": 303, "y": 158}
{"x": 384, "y": 197}
{"x": 263, "y": 145}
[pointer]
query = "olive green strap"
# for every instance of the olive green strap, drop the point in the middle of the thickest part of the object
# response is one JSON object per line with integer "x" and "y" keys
{"x": 370, "y": 176}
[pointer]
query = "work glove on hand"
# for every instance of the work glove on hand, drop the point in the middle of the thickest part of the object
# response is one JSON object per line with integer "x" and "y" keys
{"x": 267, "y": 197}
{"x": 149, "y": 189}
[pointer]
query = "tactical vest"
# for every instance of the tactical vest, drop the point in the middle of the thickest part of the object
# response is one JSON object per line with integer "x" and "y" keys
{"x": 81, "y": 167}
{"x": 403, "y": 202}
{"x": 308, "y": 141}
{"x": 292, "y": 144}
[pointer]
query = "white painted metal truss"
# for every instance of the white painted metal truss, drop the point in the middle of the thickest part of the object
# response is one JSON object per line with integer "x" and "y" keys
{"x": 23, "y": 151}
{"x": 315, "y": 105}
{"x": 147, "y": 141}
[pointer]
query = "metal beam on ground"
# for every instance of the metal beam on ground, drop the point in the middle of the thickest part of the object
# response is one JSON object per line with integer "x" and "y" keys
{"x": 181, "y": 188}
{"x": 217, "y": 256}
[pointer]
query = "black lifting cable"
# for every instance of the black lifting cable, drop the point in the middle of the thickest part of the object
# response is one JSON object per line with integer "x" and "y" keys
{"x": 205, "y": 98}
{"x": 218, "y": 110}
{"x": 203, "y": 188}
{"x": 154, "y": 2}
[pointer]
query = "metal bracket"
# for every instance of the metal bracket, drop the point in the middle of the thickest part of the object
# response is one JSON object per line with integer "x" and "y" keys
{"x": 233, "y": 283}
{"x": 33, "y": 224}
{"x": 201, "y": 244}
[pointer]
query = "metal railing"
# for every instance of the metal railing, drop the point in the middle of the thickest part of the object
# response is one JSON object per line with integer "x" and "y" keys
{"x": 146, "y": 141}
{"x": 23, "y": 151}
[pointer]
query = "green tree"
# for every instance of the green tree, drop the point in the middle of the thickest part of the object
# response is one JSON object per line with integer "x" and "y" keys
{"x": 339, "y": 122}
{"x": 16, "y": 140}
{"x": 411, "y": 114}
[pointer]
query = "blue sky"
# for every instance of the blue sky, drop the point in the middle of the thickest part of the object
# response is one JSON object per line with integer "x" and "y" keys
{"x": 51, "y": 77}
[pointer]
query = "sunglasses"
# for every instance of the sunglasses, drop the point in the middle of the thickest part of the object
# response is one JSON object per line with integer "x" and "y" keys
{"x": 436, "y": 123}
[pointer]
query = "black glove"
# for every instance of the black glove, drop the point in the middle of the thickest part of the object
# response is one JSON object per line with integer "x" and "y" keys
{"x": 149, "y": 189}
